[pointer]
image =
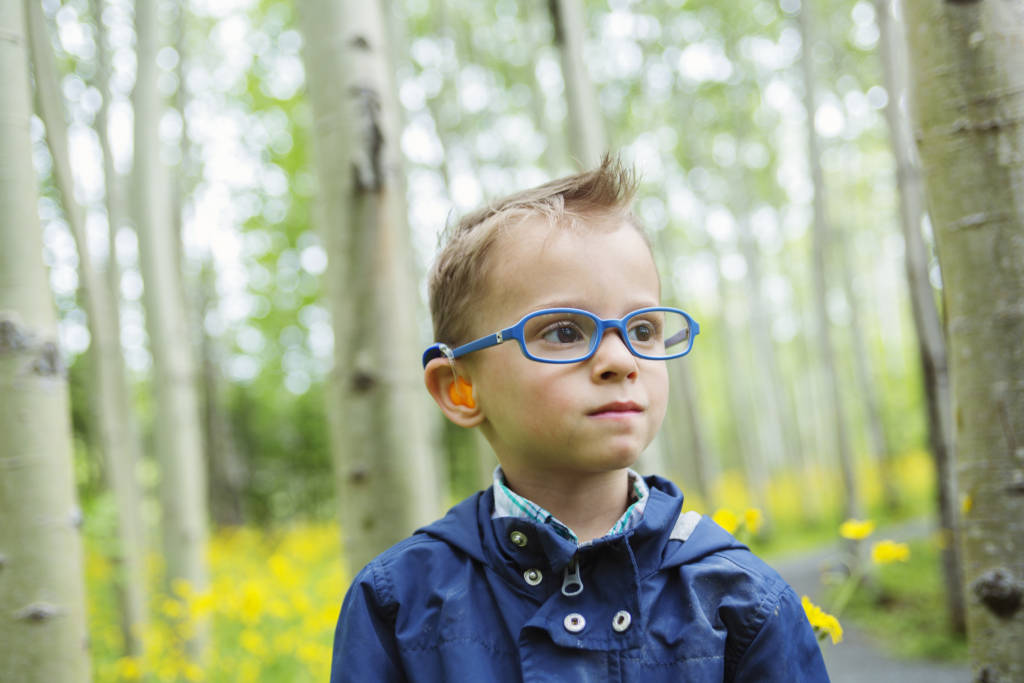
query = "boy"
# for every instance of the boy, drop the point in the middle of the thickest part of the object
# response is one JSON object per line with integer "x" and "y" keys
{"x": 571, "y": 567}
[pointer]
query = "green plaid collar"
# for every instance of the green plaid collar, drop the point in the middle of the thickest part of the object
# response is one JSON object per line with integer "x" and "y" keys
{"x": 509, "y": 504}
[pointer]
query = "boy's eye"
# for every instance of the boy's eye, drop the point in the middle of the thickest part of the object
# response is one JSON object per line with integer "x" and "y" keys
{"x": 563, "y": 333}
{"x": 644, "y": 331}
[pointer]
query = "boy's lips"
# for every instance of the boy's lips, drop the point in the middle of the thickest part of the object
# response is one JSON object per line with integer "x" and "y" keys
{"x": 617, "y": 408}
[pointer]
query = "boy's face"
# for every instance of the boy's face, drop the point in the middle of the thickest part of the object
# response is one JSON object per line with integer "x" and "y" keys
{"x": 578, "y": 418}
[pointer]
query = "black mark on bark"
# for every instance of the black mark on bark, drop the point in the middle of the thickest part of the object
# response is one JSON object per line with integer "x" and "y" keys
{"x": 1004, "y": 422}
{"x": 558, "y": 21}
{"x": 358, "y": 475}
{"x": 999, "y": 591}
{"x": 38, "y": 612}
{"x": 367, "y": 152}
{"x": 363, "y": 382}
{"x": 986, "y": 675}
{"x": 11, "y": 337}
{"x": 49, "y": 362}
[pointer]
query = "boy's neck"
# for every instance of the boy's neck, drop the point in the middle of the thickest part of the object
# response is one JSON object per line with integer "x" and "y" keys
{"x": 589, "y": 504}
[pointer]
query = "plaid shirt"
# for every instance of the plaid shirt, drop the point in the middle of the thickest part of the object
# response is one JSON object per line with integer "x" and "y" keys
{"x": 509, "y": 504}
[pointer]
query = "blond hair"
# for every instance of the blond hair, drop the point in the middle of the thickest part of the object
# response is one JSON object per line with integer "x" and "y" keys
{"x": 458, "y": 275}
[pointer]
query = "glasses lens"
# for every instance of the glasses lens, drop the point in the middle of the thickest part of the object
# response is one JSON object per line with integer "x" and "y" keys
{"x": 559, "y": 336}
{"x": 659, "y": 333}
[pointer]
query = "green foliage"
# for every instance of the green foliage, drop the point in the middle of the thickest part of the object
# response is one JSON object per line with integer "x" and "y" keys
{"x": 284, "y": 443}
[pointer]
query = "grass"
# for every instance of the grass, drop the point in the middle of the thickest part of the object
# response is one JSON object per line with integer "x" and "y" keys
{"x": 903, "y": 608}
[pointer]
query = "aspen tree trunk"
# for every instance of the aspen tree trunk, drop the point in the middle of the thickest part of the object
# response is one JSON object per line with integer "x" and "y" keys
{"x": 775, "y": 422}
{"x": 557, "y": 147}
{"x": 864, "y": 375}
{"x": 683, "y": 400}
{"x": 378, "y": 409}
{"x": 117, "y": 440}
{"x": 227, "y": 471}
{"x": 116, "y": 211}
{"x": 586, "y": 124}
{"x": 128, "y": 436}
{"x": 42, "y": 591}
{"x": 826, "y": 350}
{"x": 179, "y": 445}
{"x": 741, "y": 410}
{"x": 766, "y": 371}
{"x": 967, "y": 78}
{"x": 930, "y": 340}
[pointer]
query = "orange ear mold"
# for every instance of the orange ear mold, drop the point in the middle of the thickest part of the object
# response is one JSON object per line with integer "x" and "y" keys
{"x": 461, "y": 393}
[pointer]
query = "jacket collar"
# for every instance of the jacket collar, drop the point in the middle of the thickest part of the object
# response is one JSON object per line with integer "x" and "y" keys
{"x": 468, "y": 527}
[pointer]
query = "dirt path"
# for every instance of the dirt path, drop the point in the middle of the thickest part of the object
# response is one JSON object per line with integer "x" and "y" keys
{"x": 857, "y": 659}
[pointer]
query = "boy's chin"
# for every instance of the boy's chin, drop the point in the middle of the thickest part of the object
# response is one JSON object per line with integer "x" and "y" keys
{"x": 618, "y": 458}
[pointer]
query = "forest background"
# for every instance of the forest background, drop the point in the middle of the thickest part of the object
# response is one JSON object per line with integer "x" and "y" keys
{"x": 237, "y": 202}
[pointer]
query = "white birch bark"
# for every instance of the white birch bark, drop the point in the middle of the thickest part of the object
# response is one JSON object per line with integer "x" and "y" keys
{"x": 865, "y": 378}
{"x": 179, "y": 445}
{"x": 687, "y": 441}
{"x": 378, "y": 411}
{"x": 115, "y": 425}
{"x": 743, "y": 418}
{"x": 967, "y": 79}
{"x": 930, "y": 338}
{"x": 821, "y": 229}
{"x": 586, "y": 124}
{"x": 42, "y": 592}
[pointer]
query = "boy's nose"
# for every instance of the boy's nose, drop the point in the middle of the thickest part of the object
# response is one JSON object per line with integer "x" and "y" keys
{"x": 613, "y": 359}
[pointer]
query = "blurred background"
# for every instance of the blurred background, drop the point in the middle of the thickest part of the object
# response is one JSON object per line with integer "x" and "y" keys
{"x": 258, "y": 187}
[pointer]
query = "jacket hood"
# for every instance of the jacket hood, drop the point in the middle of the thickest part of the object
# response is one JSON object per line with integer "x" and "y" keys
{"x": 659, "y": 538}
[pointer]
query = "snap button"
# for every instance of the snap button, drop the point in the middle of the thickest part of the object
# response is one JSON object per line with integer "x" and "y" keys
{"x": 574, "y": 623}
{"x": 621, "y": 620}
{"x": 518, "y": 538}
{"x": 533, "y": 576}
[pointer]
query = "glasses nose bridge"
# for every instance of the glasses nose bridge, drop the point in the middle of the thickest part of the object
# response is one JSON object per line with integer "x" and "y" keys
{"x": 615, "y": 325}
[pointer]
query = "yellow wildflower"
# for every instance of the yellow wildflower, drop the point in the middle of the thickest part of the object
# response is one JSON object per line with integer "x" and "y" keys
{"x": 171, "y": 608}
{"x": 727, "y": 519}
{"x": 753, "y": 518}
{"x": 201, "y": 604}
{"x": 253, "y": 599}
{"x": 885, "y": 552}
{"x": 253, "y": 642}
{"x": 192, "y": 671}
{"x": 181, "y": 588}
{"x": 129, "y": 668}
{"x": 248, "y": 671}
{"x": 284, "y": 572}
{"x": 966, "y": 503}
{"x": 856, "y": 529}
{"x": 822, "y": 622}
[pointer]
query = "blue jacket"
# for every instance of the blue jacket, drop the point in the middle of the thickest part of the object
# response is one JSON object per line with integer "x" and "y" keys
{"x": 470, "y": 598}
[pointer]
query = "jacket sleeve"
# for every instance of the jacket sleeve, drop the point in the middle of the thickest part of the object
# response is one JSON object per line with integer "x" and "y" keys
{"x": 784, "y": 649}
{"x": 365, "y": 647}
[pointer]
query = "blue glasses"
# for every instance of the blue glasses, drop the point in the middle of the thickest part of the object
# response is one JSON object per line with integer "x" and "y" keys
{"x": 572, "y": 335}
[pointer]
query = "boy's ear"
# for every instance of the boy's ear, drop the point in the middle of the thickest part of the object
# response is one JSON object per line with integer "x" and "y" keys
{"x": 453, "y": 395}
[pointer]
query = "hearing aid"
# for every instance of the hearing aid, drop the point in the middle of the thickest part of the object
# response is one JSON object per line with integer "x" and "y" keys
{"x": 461, "y": 393}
